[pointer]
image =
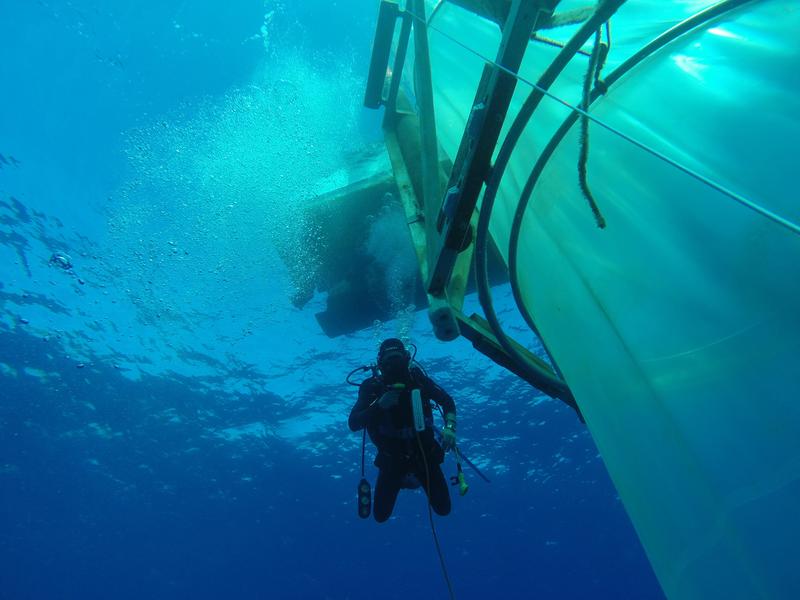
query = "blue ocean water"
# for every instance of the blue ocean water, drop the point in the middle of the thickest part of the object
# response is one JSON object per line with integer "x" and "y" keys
{"x": 171, "y": 426}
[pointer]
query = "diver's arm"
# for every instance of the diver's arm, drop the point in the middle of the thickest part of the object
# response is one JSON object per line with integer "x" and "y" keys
{"x": 363, "y": 409}
{"x": 448, "y": 405}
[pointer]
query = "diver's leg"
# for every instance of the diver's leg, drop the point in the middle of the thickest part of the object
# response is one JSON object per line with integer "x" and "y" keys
{"x": 386, "y": 489}
{"x": 438, "y": 494}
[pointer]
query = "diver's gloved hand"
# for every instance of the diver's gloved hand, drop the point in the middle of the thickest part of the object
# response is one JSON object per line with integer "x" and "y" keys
{"x": 449, "y": 432}
{"x": 448, "y": 438}
{"x": 389, "y": 399}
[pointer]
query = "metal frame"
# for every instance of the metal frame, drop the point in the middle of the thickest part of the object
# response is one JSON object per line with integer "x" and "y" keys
{"x": 441, "y": 225}
{"x": 473, "y": 161}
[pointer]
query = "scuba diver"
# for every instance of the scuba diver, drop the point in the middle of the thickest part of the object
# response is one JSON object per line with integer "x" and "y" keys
{"x": 394, "y": 406}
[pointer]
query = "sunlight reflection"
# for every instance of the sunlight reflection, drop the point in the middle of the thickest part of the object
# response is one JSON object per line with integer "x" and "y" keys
{"x": 690, "y": 65}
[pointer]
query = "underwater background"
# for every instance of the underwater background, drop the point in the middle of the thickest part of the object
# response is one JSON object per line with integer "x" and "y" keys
{"x": 171, "y": 424}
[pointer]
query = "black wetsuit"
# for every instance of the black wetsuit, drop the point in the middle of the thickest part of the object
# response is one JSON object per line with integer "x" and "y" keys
{"x": 392, "y": 431}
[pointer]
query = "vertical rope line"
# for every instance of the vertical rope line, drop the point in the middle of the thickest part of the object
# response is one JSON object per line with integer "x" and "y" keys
{"x": 363, "y": 448}
{"x": 430, "y": 518}
{"x": 591, "y": 74}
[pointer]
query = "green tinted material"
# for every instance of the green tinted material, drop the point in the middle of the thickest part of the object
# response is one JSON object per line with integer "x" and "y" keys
{"x": 677, "y": 326}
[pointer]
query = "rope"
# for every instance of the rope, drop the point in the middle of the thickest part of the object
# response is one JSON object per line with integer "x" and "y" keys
{"x": 430, "y": 518}
{"x": 793, "y": 227}
{"x": 592, "y": 74}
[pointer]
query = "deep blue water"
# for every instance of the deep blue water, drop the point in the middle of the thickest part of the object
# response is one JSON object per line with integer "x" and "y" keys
{"x": 170, "y": 425}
